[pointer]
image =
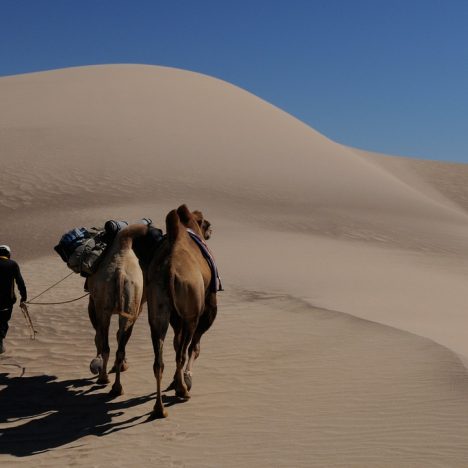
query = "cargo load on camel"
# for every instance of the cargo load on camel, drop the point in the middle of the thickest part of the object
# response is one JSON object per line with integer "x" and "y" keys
{"x": 82, "y": 248}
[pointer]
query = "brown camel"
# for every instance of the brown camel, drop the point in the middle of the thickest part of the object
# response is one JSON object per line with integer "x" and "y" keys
{"x": 179, "y": 290}
{"x": 117, "y": 287}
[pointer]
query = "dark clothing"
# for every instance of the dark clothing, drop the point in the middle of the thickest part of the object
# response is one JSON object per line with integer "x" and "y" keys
{"x": 5, "y": 316}
{"x": 9, "y": 273}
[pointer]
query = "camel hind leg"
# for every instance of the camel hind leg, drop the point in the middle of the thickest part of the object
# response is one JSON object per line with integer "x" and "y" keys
{"x": 125, "y": 326}
{"x": 102, "y": 345}
{"x": 205, "y": 322}
{"x": 92, "y": 313}
{"x": 124, "y": 364}
{"x": 183, "y": 343}
{"x": 95, "y": 365}
{"x": 124, "y": 333}
{"x": 130, "y": 296}
{"x": 189, "y": 304}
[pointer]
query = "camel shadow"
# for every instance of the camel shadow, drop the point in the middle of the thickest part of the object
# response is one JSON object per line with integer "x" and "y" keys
{"x": 40, "y": 413}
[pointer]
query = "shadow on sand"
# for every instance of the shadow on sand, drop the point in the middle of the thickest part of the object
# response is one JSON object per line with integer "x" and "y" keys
{"x": 40, "y": 413}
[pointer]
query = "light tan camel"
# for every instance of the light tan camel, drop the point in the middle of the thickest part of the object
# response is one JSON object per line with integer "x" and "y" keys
{"x": 179, "y": 292}
{"x": 117, "y": 287}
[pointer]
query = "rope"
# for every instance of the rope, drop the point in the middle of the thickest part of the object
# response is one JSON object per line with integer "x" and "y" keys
{"x": 53, "y": 303}
{"x": 24, "y": 307}
{"x": 27, "y": 317}
{"x": 56, "y": 303}
{"x": 48, "y": 289}
{"x": 14, "y": 364}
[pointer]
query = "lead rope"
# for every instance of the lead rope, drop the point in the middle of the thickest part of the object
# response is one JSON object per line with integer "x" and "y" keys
{"x": 57, "y": 303}
{"x": 48, "y": 289}
{"x": 54, "y": 303}
{"x": 24, "y": 307}
{"x": 27, "y": 317}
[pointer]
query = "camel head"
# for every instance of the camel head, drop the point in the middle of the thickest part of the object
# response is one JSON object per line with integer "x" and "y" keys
{"x": 205, "y": 225}
{"x": 195, "y": 221}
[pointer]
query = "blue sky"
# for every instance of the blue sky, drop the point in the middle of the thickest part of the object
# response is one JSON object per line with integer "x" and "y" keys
{"x": 389, "y": 76}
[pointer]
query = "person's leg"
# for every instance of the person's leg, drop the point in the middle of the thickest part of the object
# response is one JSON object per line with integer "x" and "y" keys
{"x": 5, "y": 316}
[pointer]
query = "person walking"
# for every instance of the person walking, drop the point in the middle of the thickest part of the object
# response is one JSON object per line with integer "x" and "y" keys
{"x": 9, "y": 274}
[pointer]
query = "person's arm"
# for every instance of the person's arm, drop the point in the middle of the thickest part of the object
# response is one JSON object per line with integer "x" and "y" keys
{"x": 20, "y": 283}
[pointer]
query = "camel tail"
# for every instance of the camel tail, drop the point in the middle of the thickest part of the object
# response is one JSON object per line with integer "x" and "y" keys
{"x": 172, "y": 291}
{"x": 172, "y": 226}
{"x": 121, "y": 304}
{"x": 134, "y": 231}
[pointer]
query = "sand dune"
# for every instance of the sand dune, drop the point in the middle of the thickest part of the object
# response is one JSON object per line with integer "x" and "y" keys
{"x": 309, "y": 235}
{"x": 148, "y": 133}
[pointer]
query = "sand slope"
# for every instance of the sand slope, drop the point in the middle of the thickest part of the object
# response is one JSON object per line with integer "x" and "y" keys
{"x": 279, "y": 383}
{"x": 149, "y": 133}
{"x": 306, "y": 232}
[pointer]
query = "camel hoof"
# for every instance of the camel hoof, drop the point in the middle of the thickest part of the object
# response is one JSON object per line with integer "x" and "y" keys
{"x": 103, "y": 380}
{"x": 116, "y": 390}
{"x": 171, "y": 386}
{"x": 188, "y": 380}
{"x": 123, "y": 368}
{"x": 95, "y": 366}
{"x": 159, "y": 413}
{"x": 183, "y": 394}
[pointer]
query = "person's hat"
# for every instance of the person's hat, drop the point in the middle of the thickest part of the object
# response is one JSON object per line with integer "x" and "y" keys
{"x": 5, "y": 249}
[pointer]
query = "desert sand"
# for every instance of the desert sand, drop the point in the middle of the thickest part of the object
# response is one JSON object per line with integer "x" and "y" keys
{"x": 341, "y": 334}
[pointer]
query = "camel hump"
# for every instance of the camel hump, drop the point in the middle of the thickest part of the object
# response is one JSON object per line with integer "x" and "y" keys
{"x": 172, "y": 225}
{"x": 184, "y": 214}
{"x": 187, "y": 218}
{"x": 134, "y": 231}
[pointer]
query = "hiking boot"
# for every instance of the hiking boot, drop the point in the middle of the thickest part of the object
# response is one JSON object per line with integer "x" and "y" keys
{"x": 2, "y": 346}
